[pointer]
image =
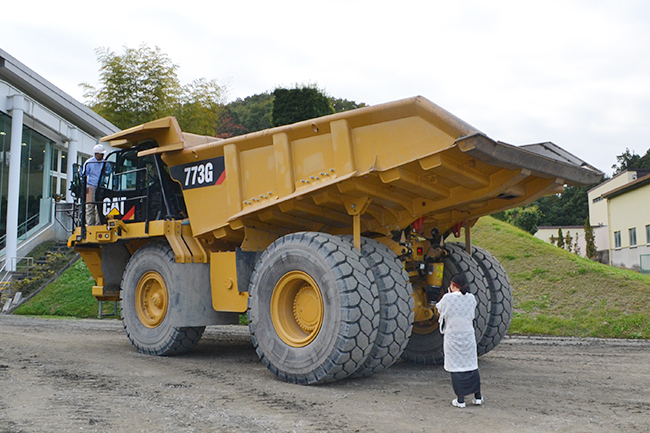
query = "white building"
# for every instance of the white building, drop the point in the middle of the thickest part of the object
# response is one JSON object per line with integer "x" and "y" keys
{"x": 620, "y": 210}
{"x": 550, "y": 234}
{"x": 43, "y": 131}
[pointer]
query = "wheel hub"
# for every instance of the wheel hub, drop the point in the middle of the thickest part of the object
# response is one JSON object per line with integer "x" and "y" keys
{"x": 307, "y": 308}
{"x": 151, "y": 299}
{"x": 297, "y": 309}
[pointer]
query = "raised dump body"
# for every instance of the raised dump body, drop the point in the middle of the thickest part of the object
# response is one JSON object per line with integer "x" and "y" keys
{"x": 351, "y": 212}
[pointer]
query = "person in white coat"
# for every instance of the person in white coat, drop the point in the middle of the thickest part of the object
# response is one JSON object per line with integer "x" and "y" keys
{"x": 457, "y": 309}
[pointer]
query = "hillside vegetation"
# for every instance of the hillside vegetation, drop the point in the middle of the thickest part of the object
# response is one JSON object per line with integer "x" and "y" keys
{"x": 555, "y": 292}
{"x": 559, "y": 293}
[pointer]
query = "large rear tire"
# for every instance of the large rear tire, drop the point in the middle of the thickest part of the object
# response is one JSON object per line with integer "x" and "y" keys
{"x": 395, "y": 307}
{"x": 426, "y": 343}
{"x": 146, "y": 300}
{"x": 313, "y": 308}
{"x": 500, "y": 299}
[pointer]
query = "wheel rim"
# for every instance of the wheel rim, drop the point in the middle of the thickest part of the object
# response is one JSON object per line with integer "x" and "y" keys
{"x": 151, "y": 299}
{"x": 297, "y": 309}
{"x": 423, "y": 327}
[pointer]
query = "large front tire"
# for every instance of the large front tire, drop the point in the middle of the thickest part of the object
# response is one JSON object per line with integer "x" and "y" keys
{"x": 395, "y": 307}
{"x": 426, "y": 343}
{"x": 500, "y": 299}
{"x": 146, "y": 302}
{"x": 313, "y": 308}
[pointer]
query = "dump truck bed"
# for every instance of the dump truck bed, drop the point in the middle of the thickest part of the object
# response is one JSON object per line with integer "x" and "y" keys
{"x": 392, "y": 164}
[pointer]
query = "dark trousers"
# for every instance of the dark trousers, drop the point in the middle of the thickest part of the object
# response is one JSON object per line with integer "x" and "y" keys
{"x": 466, "y": 383}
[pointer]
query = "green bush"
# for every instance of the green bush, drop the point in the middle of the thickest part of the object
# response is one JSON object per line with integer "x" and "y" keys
{"x": 301, "y": 103}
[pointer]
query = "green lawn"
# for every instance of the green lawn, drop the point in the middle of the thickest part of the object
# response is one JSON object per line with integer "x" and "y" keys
{"x": 70, "y": 296}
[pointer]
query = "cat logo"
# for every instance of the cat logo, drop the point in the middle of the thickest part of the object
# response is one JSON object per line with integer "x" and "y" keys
{"x": 115, "y": 208}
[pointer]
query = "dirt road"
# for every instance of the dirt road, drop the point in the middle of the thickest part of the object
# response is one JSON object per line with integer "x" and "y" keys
{"x": 64, "y": 376}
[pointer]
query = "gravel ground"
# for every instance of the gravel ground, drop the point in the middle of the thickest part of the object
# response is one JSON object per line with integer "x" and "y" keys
{"x": 83, "y": 375}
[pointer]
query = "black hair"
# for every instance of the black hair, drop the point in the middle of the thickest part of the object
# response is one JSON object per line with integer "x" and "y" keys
{"x": 461, "y": 282}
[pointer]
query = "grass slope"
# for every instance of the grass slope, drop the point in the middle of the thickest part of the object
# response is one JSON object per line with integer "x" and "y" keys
{"x": 559, "y": 293}
{"x": 555, "y": 292}
{"x": 69, "y": 296}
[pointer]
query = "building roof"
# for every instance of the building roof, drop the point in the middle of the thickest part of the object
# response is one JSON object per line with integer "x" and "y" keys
{"x": 640, "y": 172}
{"x": 628, "y": 187}
{"x": 55, "y": 99}
{"x": 557, "y": 227}
{"x": 553, "y": 151}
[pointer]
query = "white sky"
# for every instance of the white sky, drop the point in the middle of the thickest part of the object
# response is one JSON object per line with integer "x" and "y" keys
{"x": 573, "y": 72}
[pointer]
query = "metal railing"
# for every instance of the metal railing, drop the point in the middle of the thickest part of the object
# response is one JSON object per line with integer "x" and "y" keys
{"x": 14, "y": 263}
{"x": 23, "y": 228}
{"x": 26, "y": 268}
{"x": 5, "y": 278}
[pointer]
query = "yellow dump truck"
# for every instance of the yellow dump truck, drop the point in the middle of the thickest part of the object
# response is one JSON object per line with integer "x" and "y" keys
{"x": 331, "y": 234}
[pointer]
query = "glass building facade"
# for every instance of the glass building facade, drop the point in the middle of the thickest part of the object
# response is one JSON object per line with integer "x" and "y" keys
{"x": 36, "y": 178}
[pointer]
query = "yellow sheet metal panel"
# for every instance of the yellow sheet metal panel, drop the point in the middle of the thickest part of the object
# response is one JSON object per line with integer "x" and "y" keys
{"x": 92, "y": 257}
{"x": 343, "y": 147}
{"x": 199, "y": 254}
{"x": 311, "y": 157}
{"x": 283, "y": 156}
{"x": 233, "y": 183}
{"x": 117, "y": 232}
{"x": 99, "y": 293}
{"x": 258, "y": 182}
{"x": 223, "y": 278}
{"x": 165, "y": 131}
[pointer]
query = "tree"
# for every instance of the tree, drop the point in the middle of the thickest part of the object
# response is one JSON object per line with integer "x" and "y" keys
{"x": 590, "y": 240}
{"x": 340, "y": 105}
{"x": 198, "y": 107}
{"x": 525, "y": 218}
{"x": 300, "y": 103}
{"x": 568, "y": 241}
{"x": 253, "y": 113}
{"x": 560, "y": 238}
{"x": 630, "y": 161}
{"x": 570, "y": 207}
{"x": 141, "y": 85}
{"x": 228, "y": 124}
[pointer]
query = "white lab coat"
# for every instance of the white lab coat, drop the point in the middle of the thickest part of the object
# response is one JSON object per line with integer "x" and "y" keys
{"x": 456, "y": 324}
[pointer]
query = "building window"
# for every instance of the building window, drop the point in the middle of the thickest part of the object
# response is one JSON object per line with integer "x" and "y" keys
{"x": 597, "y": 199}
{"x": 58, "y": 170}
{"x": 33, "y": 180}
{"x": 34, "y": 183}
{"x": 633, "y": 237}
{"x": 5, "y": 145}
{"x": 647, "y": 234}
{"x": 617, "y": 239}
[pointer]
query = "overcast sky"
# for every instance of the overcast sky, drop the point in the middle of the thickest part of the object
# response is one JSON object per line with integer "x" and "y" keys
{"x": 573, "y": 72}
